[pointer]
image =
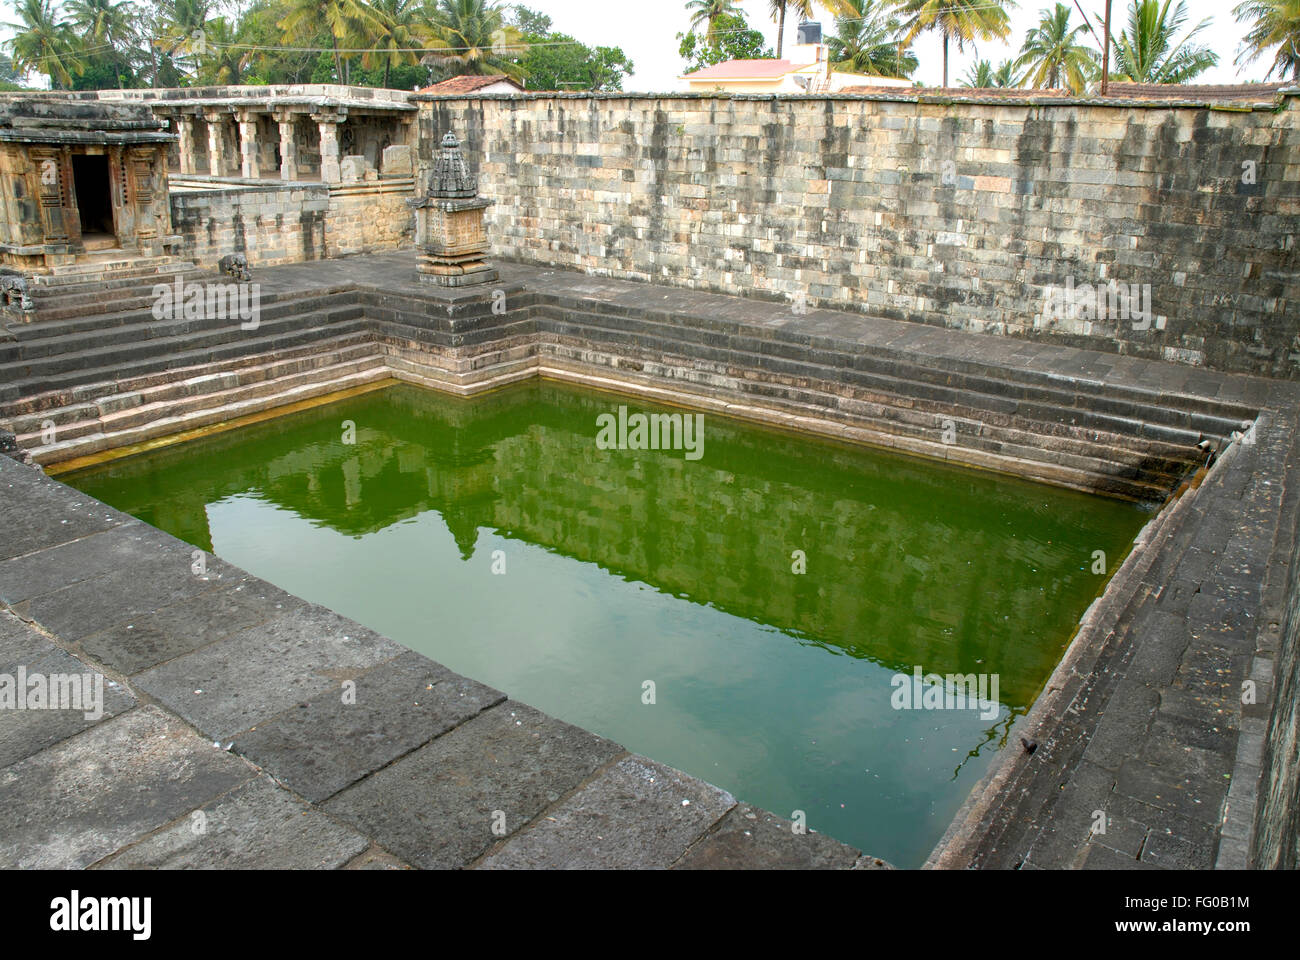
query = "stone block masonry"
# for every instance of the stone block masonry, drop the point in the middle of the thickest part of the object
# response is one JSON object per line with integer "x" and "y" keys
{"x": 960, "y": 214}
{"x": 273, "y": 224}
{"x": 268, "y": 224}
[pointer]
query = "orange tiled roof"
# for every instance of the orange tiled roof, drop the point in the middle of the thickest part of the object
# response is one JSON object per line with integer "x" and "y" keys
{"x": 467, "y": 84}
{"x": 1011, "y": 93}
{"x": 1199, "y": 92}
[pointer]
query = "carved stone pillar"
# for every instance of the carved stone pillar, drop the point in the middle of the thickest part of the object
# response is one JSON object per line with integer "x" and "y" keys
{"x": 328, "y": 124}
{"x": 288, "y": 145}
{"x": 218, "y": 162}
{"x": 185, "y": 126}
{"x": 250, "y": 157}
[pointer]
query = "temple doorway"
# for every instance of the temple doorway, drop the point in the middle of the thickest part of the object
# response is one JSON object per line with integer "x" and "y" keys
{"x": 90, "y": 175}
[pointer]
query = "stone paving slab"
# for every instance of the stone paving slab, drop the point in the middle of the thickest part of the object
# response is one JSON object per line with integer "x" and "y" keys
{"x": 25, "y": 732}
{"x": 87, "y": 797}
{"x": 35, "y": 515}
{"x": 233, "y": 684}
{"x": 376, "y": 858}
{"x": 749, "y": 835}
{"x": 172, "y": 631}
{"x": 635, "y": 815}
{"x": 436, "y": 808}
{"x": 325, "y": 744}
{"x": 1155, "y": 734}
{"x": 257, "y": 826}
{"x": 158, "y": 575}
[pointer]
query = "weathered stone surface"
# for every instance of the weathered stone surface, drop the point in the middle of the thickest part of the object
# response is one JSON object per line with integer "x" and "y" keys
{"x": 233, "y": 684}
{"x": 173, "y": 631}
{"x": 857, "y": 190}
{"x": 397, "y": 161}
{"x": 257, "y": 826}
{"x": 637, "y": 814}
{"x": 24, "y": 732}
{"x": 376, "y": 858}
{"x": 435, "y": 808}
{"x": 132, "y": 548}
{"x": 133, "y": 571}
{"x": 85, "y": 798}
{"x": 36, "y": 514}
{"x": 748, "y": 838}
{"x": 325, "y": 744}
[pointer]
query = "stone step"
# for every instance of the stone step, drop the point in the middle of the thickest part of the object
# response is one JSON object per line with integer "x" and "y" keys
{"x": 46, "y": 289}
{"x": 868, "y": 368}
{"x": 219, "y": 393}
{"x": 907, "y": 383}
{"x": 703, "y": 330}
{"x": 63, "y": 405}
{"x": 169, "y": 353}
{"x": 88, "y": 269}
{"x": 141, "y": 316}
{"x": 220, "y": 408}
{"x": 144, "y": 328}
{"x": 1137, "y": 477}
{"x": 79, "y": 418}
{"x": 120, "y": 299}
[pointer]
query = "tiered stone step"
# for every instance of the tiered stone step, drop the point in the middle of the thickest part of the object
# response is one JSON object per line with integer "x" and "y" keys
{"x": 107, "y": 415}
{"x": 75, "y": 297}
{"x": 1141, "y": 444}
{"x": 61, "y": 355}
{"x": 81, "y": 384}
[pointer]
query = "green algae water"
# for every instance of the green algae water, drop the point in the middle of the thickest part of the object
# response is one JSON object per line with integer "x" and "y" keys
{"x": 753, "y": 617}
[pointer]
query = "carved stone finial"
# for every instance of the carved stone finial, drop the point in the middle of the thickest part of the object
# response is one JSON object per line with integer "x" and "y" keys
{"x": 450, "y": 177}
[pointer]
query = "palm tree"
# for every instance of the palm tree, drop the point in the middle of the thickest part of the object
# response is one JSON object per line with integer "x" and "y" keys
{"x": 105, "y": 31}
{"x": 1277, "y": 24}
{"x": 804, "y": 8}
{"x": 983, "y": 75}
{"x": 349, "y": 22}
{"x": 964, "y": 21}
{"x": 867, "y": 41}
{"x": 44, "y": 43}
{"x": 397, "y": 33}
{"x": 223, "y": 62}
{"x": 471, "y": 36}
{"x": 1050, "y": 51}
{"x": 1146, "y": 51}
{"x": 710, "y": 12}
{"x": 182, "y": 22}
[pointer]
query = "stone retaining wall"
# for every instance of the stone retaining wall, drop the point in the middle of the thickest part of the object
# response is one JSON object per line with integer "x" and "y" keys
{"x": 270, "y": 224}
{"x": 961, "y": 214}
{"x": 1277, "y": 826}
{"x": 274, "y": 224}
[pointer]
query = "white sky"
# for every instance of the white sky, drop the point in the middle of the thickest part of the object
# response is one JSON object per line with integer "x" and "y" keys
{"x": 647, "y": 31}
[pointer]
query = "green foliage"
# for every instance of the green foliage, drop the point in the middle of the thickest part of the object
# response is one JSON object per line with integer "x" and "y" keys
{"x": 1275, "y": 24}
{"x": 557, "y": 61}
{"x": 531, "y": 21}
{"x": 983, "y": 75}
{"x": 959, "y": 22}
{"x": 868, "y": 40}
{"x": 1147, "y": 51}
{"x": 1052, "y": 53}
{"x": 736, "y": 40}
{"x": 88, "y": 44}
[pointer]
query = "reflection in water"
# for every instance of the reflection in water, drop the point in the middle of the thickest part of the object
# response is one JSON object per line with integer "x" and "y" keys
{"x": 626, "y": 566}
